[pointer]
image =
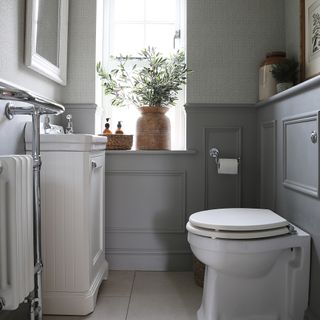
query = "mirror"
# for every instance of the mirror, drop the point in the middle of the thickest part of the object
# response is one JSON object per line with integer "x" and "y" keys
{"x": 46, "y": 38}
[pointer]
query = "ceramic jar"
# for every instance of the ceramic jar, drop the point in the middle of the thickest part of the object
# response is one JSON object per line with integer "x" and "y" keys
{"x": 153, "y": 130}
{"x": 267, "y": 84}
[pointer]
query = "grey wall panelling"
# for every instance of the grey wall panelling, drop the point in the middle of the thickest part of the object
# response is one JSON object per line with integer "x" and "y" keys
{"x": 157, "y": 199}
{"x": 295, "y": 114}
{"x": 300, "y": 154}
{"x": 232, "y": 128}
{"x": 268, "y": 170}
{"x": 222, "y": 190}
{"x": 149, "y": 196}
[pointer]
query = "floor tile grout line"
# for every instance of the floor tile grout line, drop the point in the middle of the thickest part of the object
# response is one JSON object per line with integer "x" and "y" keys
{"x": 134, "y": 278}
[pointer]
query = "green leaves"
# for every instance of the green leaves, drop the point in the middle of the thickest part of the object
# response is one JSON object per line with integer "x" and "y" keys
{"x": 285, "y": 71}
{"x": 156, "y": 83}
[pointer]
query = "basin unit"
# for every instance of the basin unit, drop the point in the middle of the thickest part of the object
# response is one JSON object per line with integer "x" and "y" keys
{"x": 72, "y": 190}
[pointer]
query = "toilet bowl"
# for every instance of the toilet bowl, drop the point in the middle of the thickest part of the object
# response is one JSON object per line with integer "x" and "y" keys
{"x": 257, "y": 265}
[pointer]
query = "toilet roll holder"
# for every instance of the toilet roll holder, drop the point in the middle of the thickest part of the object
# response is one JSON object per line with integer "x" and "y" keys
{"x": 215, "y": 154}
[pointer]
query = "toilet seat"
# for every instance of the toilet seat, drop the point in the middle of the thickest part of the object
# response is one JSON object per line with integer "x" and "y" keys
{"x": 237, "y": 223}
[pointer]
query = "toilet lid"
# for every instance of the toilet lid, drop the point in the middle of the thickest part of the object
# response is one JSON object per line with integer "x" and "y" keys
{"x": 237, "y": 235}
{"x": 237, "y": 219}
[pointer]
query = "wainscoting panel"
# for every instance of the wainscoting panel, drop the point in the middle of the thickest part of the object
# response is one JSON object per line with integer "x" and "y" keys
{"x": 301, "y": 154}
{"x": 145, "y": 219}
{"x": 154, "y": 201}
{"x": 268, "y": 158}
{"x": 222, "y": 190}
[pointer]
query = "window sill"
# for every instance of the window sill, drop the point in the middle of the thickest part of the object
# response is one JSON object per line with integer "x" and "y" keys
{"x": 151, "y": 152}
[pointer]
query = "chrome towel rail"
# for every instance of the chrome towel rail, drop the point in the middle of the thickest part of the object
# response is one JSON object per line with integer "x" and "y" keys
{"x": 12, "y": 92}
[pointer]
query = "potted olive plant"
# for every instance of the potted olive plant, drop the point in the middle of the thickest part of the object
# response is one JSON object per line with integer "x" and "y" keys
{"x": 285, "y": 73}
{"x": 153, "y": 88}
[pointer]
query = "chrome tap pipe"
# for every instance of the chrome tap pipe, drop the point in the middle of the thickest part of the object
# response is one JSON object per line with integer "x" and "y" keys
{"x": 35, "y": 106}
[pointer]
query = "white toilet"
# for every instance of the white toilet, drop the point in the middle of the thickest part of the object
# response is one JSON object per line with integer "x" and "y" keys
{"x": 257, "y": 265}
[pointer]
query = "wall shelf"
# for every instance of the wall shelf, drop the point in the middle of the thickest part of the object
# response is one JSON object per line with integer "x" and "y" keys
{"x": 297, "y": 89}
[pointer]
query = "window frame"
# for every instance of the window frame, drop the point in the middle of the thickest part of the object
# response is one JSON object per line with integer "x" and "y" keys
{"x": 178, "y": 134}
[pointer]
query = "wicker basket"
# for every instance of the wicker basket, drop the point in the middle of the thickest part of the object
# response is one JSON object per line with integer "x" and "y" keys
{"x": 198, "y": 269}
{"x": 119, "y": 141}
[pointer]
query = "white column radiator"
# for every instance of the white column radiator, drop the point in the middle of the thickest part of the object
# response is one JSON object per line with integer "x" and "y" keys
{"x": 16, "y": 229}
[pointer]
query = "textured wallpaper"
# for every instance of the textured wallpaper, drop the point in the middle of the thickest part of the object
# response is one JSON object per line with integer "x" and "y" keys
{"x": 81, "y": 52}
{"x": 226, "y": 42}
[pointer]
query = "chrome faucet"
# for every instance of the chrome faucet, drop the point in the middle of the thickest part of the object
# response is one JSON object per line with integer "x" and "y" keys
{"x": 46, "y": 124}
{"x": 69, "y": 128}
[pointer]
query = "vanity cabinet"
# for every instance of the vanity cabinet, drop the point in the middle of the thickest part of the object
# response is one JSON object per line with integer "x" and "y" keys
{"x": 72, "y": 190}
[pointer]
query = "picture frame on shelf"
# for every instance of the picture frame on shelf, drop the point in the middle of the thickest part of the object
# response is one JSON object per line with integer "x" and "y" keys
{"x": 310, "y": 38}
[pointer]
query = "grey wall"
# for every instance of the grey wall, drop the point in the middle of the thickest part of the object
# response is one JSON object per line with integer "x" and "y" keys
{"x": 298, "y": 207}
{"x": 292, "y": 28}
{"x": 80, "y": 86}
{"x": 226, "y": 42}
{"x": 83, "y": 92}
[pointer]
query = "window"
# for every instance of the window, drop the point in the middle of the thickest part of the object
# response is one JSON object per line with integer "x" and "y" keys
{"x": 131, "y": 25}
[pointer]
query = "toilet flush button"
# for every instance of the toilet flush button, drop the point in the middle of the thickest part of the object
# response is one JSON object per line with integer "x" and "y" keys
{"x": 314, "y": 137}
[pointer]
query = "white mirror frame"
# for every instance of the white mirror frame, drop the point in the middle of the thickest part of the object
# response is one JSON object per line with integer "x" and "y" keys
{"x": 32, "y": 59}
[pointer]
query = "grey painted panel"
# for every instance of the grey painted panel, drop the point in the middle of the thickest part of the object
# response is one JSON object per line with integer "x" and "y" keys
{"x": 154, "y": 201}
{"x": 299, "y": 208}
{"x": 200, "y": 117}
{"x": 268, "y": 154}
{"x": 146, "y": 242}
{"x": 300, "y": 154}
{"x": 222, "y": 190}
{"x": 151, "y": 261}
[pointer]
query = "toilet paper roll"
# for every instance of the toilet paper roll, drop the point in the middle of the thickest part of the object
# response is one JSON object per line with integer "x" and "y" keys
{"x": 228, "y": 166}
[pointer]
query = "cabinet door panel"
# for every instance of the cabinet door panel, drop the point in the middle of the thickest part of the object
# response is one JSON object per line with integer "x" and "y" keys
{"x": 301, "y": 154}
{"x": 97, "y": 212}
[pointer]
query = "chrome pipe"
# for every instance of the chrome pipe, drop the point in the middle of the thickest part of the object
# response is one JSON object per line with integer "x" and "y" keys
{"x": 37, "y": 214}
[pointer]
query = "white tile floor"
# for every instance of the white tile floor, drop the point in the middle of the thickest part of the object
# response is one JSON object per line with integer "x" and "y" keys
{"x": 137, "y": 295}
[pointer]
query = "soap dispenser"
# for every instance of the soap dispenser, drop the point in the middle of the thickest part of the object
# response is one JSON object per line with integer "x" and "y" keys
{"x": 69, "y": 128}
{"x": 119, "y": 131}
{"x": 107, "y": 126}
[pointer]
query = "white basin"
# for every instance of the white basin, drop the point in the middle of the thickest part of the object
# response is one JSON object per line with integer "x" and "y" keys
{"x": 66, "y": 142}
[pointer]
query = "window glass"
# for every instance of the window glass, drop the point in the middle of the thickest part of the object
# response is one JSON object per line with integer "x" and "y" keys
{"x": 164, "y": 10}
{"x": 128, "y": 10}
{"x": 128, "y": 39}
{"x": 160, "y": 36}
